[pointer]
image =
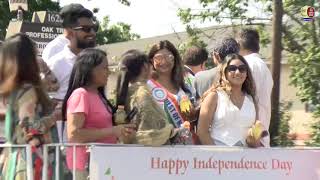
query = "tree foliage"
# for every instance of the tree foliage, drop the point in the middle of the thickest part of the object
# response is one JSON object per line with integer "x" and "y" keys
{"x": 118, "y": 32}
{"x": 33, "y": 5}
{"x": 231, "y": 12}
{"x": 285, "y": 115}
{"x": 107, "y": 33}
{"x": 302, "y": 41}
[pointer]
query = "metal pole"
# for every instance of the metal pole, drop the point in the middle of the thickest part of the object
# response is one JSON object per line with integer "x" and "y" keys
{"x": 74, "y": 162}
{"x": 57, "y": 162}
{"x": 45, "y": 163}
{"x": 29, "y": 163}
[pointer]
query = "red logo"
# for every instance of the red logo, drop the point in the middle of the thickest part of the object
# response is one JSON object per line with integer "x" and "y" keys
{"x": 310, "y": 12}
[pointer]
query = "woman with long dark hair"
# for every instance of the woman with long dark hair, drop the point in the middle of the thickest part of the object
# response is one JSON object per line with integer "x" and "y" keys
{"x": 228, "y": 109}
{"x": 167, "y": 84}
{"x": 29, "y": 118}
{"x": 134, "y": 94}
{"x": 86, "y": 109}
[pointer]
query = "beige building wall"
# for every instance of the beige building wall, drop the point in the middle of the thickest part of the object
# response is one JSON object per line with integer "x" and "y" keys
{"x": 301, "y": 120}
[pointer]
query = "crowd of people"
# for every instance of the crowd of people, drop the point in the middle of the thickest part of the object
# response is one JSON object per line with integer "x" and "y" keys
{"x": 163, "y": 98}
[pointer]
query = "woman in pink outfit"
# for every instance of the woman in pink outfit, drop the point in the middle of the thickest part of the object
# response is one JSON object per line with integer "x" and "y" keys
{"x": 87, "y": 110}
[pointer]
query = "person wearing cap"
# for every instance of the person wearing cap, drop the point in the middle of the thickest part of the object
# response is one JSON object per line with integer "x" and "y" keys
{"x": 82, "y": 31}
{"x": 55, "y": 46}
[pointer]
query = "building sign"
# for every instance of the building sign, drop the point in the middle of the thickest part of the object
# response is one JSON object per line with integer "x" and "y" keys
{"x": 15, "y": 4}
{"x": 42, "y": 34}
{"x": 203, "y": 162}
{"x": 44, "y": 28}
{"x": 47, "y": 17}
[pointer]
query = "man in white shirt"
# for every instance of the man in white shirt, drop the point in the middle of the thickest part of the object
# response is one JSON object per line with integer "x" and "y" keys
{"x": 249, "y": 49}
{"x": 57, "y": 45}
{"x": 82, "y": 35}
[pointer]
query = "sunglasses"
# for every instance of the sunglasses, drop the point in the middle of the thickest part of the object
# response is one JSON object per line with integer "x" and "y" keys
{"x": 242, "y": 68}
{"x": 87, "y": 29}
{"x": 160, "y": 58}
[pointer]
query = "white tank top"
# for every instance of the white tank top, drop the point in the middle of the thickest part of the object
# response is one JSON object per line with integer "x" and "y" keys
{"x": 231, "y": 124}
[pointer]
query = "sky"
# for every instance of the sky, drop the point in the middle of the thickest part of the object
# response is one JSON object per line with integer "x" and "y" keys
{"x": 147, "y": 17}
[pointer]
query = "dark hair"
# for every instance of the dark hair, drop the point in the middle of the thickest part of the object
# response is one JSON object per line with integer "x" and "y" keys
{"x": 177, "y": 71}
{"x": 70, "y": 8}
{"x": 249, "y": 40}
{"x": 81, "y": 74}
{"x": 18, "y": 66}
{"x": 195, "y": 56}
{"x": 131, "y": 65}
{"x": 248, "y": 85}
{"x": 223, "y": 84}
{"x": 70, "y": 19}
{"x": 227, "y": 46}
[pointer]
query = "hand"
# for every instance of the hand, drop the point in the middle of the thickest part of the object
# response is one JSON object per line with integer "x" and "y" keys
{"x": 174, "y": 132}
{"x": 253, "y": 143}
{"x": 56, "y": 116}
{"x": 34, "y": 142}
{"x": 123, "y": 130}
{"x": 57, "y": 112}
{"x": 191, "y": 114}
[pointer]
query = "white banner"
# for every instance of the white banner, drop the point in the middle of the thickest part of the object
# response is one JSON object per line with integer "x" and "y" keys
{"x": 203, "y": 163}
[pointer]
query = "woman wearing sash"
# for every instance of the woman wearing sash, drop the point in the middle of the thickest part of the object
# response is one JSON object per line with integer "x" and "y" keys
{"x": 228, "y": 109}
{"x": 167, "y": 84}
{"x": 29, "y": 118}
{"x": 134, "y": 95}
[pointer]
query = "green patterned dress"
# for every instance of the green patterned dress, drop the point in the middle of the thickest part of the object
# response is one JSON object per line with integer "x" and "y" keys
{"x": 25, "y": 121}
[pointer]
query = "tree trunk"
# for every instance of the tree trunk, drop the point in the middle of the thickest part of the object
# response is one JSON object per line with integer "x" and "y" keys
{"x": 276, "y": 67}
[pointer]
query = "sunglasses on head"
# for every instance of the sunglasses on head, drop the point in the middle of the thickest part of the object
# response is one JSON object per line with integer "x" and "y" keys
{"x": 233, "y": 68}
{"x": 87, "y": 29}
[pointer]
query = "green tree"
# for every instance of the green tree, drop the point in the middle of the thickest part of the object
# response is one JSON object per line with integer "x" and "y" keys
{"x": 118, "y": 32}
{"x": 285, "y": 115}
{"x": 300, "y": 39}
{"x": 107, "y": 33}
{"x": 33, "y": 5}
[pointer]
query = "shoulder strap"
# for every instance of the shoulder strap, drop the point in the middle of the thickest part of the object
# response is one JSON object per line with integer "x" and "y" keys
{"x": 9, "y": 119}
{"x": 9, "y": 122}
{"x": 189, "y": 71}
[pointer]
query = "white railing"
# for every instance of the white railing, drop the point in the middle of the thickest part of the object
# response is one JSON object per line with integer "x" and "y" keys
{"x": 28, "y": 156}
{"x": 60, "y": 147}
